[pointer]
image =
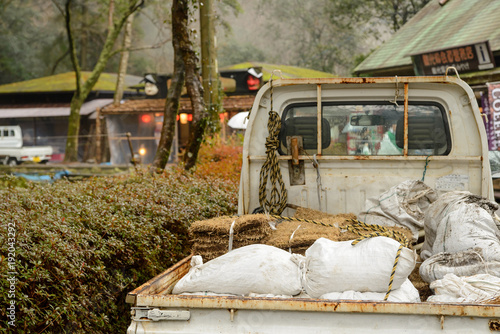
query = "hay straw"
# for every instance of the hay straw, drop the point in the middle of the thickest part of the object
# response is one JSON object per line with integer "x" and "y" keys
{"x": 210, "y": 237}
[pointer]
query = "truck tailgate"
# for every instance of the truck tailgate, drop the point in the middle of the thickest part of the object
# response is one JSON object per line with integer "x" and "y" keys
{"x": 157, "y": 311}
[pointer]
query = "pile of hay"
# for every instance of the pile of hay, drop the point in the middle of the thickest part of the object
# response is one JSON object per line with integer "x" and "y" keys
{"x": 300, "y": 235}
{"x": 211, "y": 237}
{"x": 422, "y": 286}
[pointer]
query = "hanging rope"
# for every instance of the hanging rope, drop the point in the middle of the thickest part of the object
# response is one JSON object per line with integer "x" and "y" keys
{"x": 425, "y": 167}
{"x": 276, "y": 203}
{"x": 379, "y": 231}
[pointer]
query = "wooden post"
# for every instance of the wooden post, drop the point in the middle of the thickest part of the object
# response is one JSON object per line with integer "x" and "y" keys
{"x": 98, "y": 136}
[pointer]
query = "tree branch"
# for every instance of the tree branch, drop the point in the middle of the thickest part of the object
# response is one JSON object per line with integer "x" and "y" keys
{"x": 59, "y": 8}
{"x": 107, "y": 51}
{"x": 72, "y": 48}
{"x": 58, "y": 61}
{"x": 154, "y": 46}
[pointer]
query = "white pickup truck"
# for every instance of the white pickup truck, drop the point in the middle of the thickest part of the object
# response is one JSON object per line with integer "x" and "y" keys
{"x": 346, "y": 126}
{"x": 12, "y": 151}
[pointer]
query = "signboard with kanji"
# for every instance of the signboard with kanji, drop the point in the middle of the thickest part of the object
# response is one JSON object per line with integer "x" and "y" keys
{"x": 465, "y": 58}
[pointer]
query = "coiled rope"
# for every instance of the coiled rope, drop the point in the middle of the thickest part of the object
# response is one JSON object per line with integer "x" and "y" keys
{"x": 271, "y": 169}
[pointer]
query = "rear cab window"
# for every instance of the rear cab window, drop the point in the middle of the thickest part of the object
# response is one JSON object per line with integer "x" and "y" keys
{"x": 367, "y": 128}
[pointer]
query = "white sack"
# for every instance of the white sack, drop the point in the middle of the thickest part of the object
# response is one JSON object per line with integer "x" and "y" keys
{"x": 407, "y": 293}
{"x": 471, "y": 289}
{"x": 464, "y": 263}
{"x": 259, "y": 269}
{"x": 402, "y": 205}
{"x": 460, "y": 221}
{"x": 367, "y": 266}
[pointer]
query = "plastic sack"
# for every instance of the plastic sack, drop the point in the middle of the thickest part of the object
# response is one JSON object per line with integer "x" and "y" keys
{"x": 367, "y": 266}
{"x": 402, "y": 205}
{"x": 472, "y": 289}
{"x": 465, "y": 263}
{"x": 460, "y": 221}
{"x": 259, "y": 269}
{"x": 407, "y": 293}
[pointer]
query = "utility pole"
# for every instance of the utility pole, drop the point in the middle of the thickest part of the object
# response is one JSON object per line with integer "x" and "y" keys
{"x": 209, "y": 69}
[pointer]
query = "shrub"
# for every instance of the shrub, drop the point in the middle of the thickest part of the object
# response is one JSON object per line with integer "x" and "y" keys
{"x": 221, "y": 157}
{"x": 81, "y": 247}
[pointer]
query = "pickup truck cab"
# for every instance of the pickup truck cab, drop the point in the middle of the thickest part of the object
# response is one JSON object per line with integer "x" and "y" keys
{"x": 340, "y": 142}
{"x": 13, "y": 152}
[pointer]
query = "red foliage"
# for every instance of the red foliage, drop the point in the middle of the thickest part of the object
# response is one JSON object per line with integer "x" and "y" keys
{"x": 221, "y": 158}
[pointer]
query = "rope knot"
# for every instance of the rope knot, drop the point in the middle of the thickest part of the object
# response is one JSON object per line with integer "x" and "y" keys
{"x": 271, "y": 169}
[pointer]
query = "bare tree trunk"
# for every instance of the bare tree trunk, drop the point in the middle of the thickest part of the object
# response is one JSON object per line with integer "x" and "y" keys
{"x": 209, "y": 71}
{"x": 122, "y": 69}
{"x": 110, "y": 13}
{"x": 179, "y": 19}
{"x": 195, "y": 92}
{"x": 84, "y": 88}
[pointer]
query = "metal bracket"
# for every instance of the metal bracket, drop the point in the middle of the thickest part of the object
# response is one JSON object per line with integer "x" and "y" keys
{"x": 148, "y": 314}
{"x": 296, "y": 166}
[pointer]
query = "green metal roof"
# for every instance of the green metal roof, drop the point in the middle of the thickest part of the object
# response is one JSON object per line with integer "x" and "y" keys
{"x": 287, "y": 72}
{"x": 456, "y": 23}
{"x": 66, "y": 82}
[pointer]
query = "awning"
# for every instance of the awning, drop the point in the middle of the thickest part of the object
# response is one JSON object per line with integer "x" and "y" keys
{"x": 87, "y": 108}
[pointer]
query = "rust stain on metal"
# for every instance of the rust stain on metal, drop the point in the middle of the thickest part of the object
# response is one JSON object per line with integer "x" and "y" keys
{"x": 364, "y": 80}
{"x": 162, "y": 282}
{"x": 316, "y": 305}
{"x": 361, "y": 157}
{"x": 295, "y": 151}
{"x": 494, "y": 325}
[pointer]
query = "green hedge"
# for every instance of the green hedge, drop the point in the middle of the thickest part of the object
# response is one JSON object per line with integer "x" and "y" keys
{"x": 80, "y": 247}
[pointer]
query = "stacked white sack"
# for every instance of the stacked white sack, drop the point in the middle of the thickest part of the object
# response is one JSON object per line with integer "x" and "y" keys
{"x": 365, "y": 267}
{"x": 403, "y": 205}
{"x": 257, "y": 269}
{"x": 471, "y": 289}
{"x": 461, "y": 237}
{"x": 464, "y": 263}
{"x": 458, "y": 221}
{"x": 407, "y": 293}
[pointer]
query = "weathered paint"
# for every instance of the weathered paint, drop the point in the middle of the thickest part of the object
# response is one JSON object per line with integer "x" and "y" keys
{"x": 148, "y": 295}
{"x": 223, "y": 314}
{"x": 348, "y": 181}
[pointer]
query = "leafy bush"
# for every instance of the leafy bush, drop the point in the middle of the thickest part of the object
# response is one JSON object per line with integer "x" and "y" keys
{"x": 221, "y": 157}
{"x": 81, "y": 247}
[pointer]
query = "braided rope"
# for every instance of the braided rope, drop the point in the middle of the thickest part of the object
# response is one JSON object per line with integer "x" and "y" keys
{"x": 300, "y": 220}
{"x": 360, "y": 227}
{"x": 271, "y": 169}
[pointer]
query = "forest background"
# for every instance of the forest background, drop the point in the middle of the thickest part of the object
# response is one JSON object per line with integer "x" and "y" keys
{"x": 327, "y": 35}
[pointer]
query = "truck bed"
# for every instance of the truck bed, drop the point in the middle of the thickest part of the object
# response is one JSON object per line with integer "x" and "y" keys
{"x": 156, "y": 310}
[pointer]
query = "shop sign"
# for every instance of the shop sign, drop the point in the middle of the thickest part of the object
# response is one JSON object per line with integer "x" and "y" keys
{"x": 494, "y": 110}
{"x": 466, "y": 58}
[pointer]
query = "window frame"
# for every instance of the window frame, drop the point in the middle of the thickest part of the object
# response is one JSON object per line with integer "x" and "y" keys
{"x": 439, "y": 106}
